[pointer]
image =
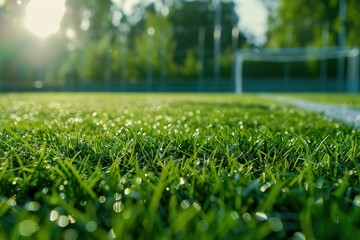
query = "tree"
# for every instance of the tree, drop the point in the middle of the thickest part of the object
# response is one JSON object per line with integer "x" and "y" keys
{"x": 307, "y": 22}
{"x": 154, "y": 46}
{"x": 190, "y": 17}
{"x": 101, "y": 41}
{"x": 353, "y": 23}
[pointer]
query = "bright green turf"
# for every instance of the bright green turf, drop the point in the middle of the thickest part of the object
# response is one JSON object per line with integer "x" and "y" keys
{"x": 96, "y": 166}
{"x": 347, "y": 100}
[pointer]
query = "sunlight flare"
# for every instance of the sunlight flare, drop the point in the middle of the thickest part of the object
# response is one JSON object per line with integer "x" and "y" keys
{"x": 43, "y": 17}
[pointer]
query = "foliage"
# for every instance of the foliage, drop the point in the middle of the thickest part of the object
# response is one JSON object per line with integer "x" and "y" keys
{"x": 154, "y": 46}
{"x": 353, "y": 23}
{"x": 189, "y": 17}
{"x": 191, "y": 65}
{"x": 295, "y": 23}
{"x": 107, "y": 43}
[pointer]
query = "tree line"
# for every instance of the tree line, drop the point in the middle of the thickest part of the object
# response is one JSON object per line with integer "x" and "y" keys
{"x": 102, "y": 41}
{"x": 106, "y": 42}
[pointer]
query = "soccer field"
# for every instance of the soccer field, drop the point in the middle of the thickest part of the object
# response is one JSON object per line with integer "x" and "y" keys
{"x": 183, "y": 166}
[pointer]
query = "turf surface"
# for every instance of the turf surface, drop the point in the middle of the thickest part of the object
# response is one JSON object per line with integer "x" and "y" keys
{"x": 105, "y": 166}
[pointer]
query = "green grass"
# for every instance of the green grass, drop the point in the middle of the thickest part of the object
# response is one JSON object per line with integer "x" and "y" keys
{"x": 347, "y": 100}
{"x": 97, "y": 166}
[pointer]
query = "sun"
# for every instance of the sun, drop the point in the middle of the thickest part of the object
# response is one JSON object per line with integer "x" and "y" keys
{"x": 43, "y": 17}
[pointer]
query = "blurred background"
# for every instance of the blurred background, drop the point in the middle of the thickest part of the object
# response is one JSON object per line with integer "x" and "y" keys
{"x": 170, "y": 45}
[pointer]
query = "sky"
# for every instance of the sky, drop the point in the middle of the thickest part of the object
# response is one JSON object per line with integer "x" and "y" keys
{"x": 43, "y": 17}
{"x": 253, "y": 19}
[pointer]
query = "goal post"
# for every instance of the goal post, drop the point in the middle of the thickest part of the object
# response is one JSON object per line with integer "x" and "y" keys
{"x": 289, "y": 55}
{"x": 353, "y": 71}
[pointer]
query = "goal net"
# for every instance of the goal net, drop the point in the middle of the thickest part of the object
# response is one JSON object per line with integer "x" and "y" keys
{"x": 332, "y": 69}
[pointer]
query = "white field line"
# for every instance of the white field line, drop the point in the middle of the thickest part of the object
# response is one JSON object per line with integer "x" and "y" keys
{"x": 347, "y": 115}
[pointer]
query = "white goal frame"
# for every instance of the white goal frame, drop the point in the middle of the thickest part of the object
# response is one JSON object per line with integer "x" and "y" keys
{"x": 298, "y": 55}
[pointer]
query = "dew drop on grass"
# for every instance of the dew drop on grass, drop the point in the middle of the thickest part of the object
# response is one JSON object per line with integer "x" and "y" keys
{"x": 181, "y": 181}
{"x": 264, "y": 187}
{"x": 299, "y": 236}
{"x": 319, "y": 201}
{"x": 261, "y": 216}
{"x": 203, "y": 225}
{"x": 246, "y": 217}
{"x": 234, "y": 215}
{"x": 83, "y": 203}
{"x": 62, "y": 195}
{"x": 72, "y": 219}
{"x": 102, "y": 199}
{"x": 237, "y": 177}
{"x": 197, "y": 206}
{"x": 306, "y": 186}
{"x": 32, "y": 206}
{"x": 275, "y": 224}
{"x": 12, "y": 202}
{"x": 118, "y": 207}
{"x": 63, "y": 221}
{"x": 117, "y": 196}
{"x": 127, "y": 214}
{"x": 138, "y": 180}
{"x": 91, "y": 226}
{"x": 185, "y": 204}
{"x": 319, "y": 184}
{"x": 54, "y": 215}
{"x": 127, "y": 191}
{"x": 111, "y": 234}
{"x": 71, "y": 234}
{"x": 196, "y": 134}
{"x": 357, "y": 201}
{"x": 28, "y": 228}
